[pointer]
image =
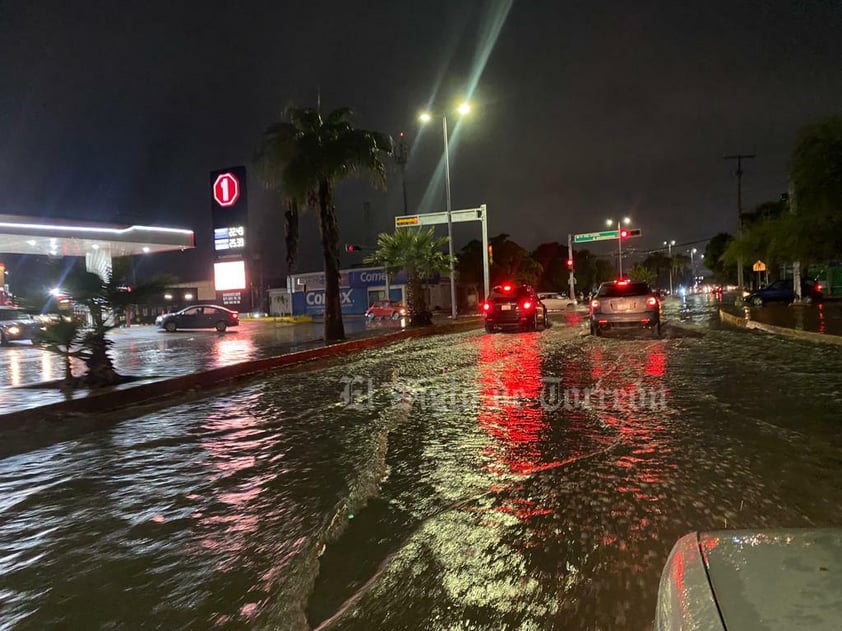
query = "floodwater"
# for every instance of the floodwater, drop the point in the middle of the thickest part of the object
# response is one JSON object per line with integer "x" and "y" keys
{"x": 472, "y": 481}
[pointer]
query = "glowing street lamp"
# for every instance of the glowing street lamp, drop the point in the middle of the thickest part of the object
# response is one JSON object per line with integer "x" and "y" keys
{"x": 610, "y": 223}
{"x": 426, "y": 117}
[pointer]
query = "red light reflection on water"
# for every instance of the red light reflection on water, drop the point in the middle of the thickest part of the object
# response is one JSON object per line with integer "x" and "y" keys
{"x": 821, "y": 318}
{"x": 510, "y": 410}
{"x": 511, "y": 387}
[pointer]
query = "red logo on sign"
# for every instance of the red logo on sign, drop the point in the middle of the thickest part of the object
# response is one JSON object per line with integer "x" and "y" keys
{"x": 226, "y": 189}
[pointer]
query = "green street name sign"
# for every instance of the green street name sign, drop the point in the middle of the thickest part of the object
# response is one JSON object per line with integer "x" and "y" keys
{"x": 596, "y": 236}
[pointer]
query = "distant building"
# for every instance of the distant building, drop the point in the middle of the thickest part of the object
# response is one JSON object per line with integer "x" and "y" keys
{"x": 358, "y": 289}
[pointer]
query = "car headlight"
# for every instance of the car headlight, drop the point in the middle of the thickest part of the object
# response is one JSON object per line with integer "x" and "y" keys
{"x": 14, "y": 329}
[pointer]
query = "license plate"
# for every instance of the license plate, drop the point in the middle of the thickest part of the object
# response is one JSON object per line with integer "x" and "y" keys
{"x": 619, "y": 305}
{"x": 505, "y": 307}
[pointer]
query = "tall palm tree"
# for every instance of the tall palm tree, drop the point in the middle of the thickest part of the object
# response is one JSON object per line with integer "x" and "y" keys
{"x": 418, "y": 253}
{"x": 304, "y": 157}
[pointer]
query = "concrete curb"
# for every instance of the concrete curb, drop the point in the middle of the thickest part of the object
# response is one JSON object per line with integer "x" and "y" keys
{"x": 810, "y": 336}
{"x": 161, "y": 390}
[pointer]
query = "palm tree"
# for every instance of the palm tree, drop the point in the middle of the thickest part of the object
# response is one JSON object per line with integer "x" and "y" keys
{"x": 60, "y": 337}
{"x": 104, "y": 299}
{"x": 305, "y": 156}
{"x": 418, "y": 253}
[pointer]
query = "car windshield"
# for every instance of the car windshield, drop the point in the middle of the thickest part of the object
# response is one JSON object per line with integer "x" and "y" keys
{"x": 620, "y": 290}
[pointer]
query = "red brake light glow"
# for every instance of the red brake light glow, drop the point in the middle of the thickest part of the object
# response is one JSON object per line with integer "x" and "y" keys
{"x": 507, "y": 287}
{"x": 527, "y": 305}
{"x": 623, "y": 283}
{"x": 486, "y": 306}
{"x": 236, "y": 315}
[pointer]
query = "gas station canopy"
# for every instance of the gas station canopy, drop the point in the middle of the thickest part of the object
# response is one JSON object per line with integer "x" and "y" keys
{"x": 59, "y": 237}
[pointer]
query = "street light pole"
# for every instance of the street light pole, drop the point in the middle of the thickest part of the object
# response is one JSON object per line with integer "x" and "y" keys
{"x": 449, "y": 217}
{"x": 610, "y": 222}
{"x": 669, "y": 245}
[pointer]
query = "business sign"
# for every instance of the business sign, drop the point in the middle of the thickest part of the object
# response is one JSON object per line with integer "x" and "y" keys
{"x": 229, "y": 211}
{"x": 229, "y": 275}
{"x": 353, "y": 300}
{"x": 407, "y": 220}
{"x": 226, "y": 189}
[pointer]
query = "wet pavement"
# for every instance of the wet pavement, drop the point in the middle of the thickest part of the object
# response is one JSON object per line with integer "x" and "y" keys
{"x": 144, "y": 351}
{"x": 472, "y": 481}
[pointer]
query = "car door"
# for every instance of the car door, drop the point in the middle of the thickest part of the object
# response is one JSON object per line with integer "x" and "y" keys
{"x": 189, "y": 318}
{"x": 781, "y": 291}
{"x": 209, "y": 317}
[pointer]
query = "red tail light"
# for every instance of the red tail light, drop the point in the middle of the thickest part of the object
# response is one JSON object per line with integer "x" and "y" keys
{"x": 526, "y": 305}
{"x": 652, "y": 301}
{"x": 623, "y": 283}
{"x": 236, "y": 315}
{"x": 507, "y": 287}
{"x": 594, "y": 304}
{"x": 486, "y": 306}
{"x": 818, "y": 286}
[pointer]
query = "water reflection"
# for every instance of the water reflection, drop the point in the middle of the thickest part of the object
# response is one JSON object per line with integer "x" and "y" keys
{"x": 234, "y": 350}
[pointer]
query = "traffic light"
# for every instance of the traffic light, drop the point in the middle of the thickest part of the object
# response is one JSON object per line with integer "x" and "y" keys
{"x": 353, "y": 247}
{"x": 570, "y": 264}
{"x": 490, "y": 255}
{"x": 624, "y": 234}
{"x": 627, "y": 233}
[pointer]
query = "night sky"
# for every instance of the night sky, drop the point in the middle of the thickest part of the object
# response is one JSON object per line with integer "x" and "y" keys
{"x": 117, "y": 111}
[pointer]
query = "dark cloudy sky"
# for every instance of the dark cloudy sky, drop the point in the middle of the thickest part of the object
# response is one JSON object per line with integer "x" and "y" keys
{"x": 582, "y": 110}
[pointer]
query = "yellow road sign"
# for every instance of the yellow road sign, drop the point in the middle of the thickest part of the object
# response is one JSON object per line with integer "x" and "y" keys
{"x": 406, "y": 220}
{"x": 759, "y": 266}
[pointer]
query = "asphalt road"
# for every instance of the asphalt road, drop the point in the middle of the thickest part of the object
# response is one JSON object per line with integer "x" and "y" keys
{"x": 471, "y": 481}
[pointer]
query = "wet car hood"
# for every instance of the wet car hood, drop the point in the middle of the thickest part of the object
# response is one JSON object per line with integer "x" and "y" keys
{"x": 738, "y": 580}
{"x": 776, "y": 579}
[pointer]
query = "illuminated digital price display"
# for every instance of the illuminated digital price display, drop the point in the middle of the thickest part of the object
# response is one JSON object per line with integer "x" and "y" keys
{"x": 231, "y": 238}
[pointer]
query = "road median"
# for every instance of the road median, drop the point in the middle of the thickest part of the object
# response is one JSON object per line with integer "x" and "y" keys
{"x": 799, "y": 334}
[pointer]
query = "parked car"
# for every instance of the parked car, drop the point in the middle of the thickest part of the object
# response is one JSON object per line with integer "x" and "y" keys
{"x": 554, "y": 301}
{"x": 782, "y": 291}
{"x": 625, "y": 304}
{"x": 731, "y": 580}
{"x": 199, "y": 317}
{"x": 511, "y": 306}
{"x": 16, "y": 324}
{"x": 386, "y": 309}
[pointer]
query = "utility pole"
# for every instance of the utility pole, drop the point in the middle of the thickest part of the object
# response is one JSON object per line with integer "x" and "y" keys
{"x": 401, "y": 157}
{"x": 739, "y": 173}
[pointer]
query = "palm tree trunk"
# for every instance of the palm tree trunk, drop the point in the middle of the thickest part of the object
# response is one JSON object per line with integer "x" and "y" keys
{"x": 334, "y": 329}
{"x": 419, "y": 316}
{"x": 291, "y": 233}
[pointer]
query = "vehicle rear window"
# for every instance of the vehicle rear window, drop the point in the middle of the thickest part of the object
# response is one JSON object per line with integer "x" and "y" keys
{"x": 11, "y": 314}
{"x": 515, "y": 294}
{"x": 614, "y": 290}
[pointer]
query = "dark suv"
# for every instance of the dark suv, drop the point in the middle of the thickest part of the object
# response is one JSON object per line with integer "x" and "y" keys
{"x": 16, "y": 324}
{"x": 511, "y": 306}
{"x": 625, "y": 304}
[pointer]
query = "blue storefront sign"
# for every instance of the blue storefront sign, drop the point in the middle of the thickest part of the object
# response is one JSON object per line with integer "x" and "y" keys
{"x": 353, "y": 292}
{"x": 354, "y": 300}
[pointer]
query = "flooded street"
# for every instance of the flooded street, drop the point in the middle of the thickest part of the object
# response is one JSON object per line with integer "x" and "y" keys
{"x": 471, "y": 481}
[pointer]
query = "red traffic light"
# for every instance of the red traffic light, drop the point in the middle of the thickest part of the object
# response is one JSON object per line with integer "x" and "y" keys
{"x": 353, "y": 247}
{"x": 624, "y": 234}
{"x": 569, "y": 263}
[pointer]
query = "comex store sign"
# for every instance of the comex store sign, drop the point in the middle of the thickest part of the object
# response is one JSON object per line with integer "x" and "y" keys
{"x": 317, "y": 298}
